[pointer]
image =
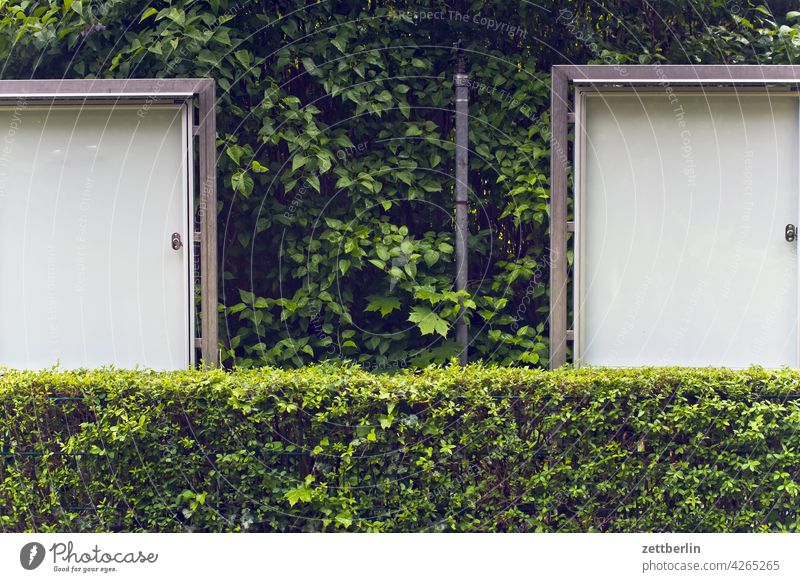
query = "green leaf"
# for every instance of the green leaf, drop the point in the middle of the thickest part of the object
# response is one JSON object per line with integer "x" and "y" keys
{"x": 344, "y": 519}
{"x": 430, "y": 257}
{"x": 428, "y": 295}
{"x": 244, "y": 57}
{"x": 298, "y": 161}
{"x": 247, "y": 296}
{"x": 428, "y": 322}
{"x": 258, "y": 168}
{"x": 234, "y": 152}
{"x": 147, "y": 14}
{"x": 383, "y": 304}
{"x": 324, "y": 163}
{"x": 339, "y": 44}
{"x": 242, "y": 182}
{"x": 308, "y": 64}
{"x": 301, "y": 493}
{"x": 405, "y": 109}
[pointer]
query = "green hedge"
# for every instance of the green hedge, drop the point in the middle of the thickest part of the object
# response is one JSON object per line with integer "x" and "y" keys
{"x": 445, "y": 449}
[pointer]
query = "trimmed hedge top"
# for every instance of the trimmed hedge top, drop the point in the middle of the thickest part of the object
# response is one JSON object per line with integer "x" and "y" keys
{"x": 330, "y": 448}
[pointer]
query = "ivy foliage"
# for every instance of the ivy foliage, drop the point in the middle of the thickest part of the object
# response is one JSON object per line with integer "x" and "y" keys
{"x": 332, "y": 448}
{"x": 336, "y": 149}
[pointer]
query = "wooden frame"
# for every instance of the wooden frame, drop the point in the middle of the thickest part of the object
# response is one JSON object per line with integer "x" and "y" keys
{"x": 149, "y": 91}
{"x": 561, "y": 115}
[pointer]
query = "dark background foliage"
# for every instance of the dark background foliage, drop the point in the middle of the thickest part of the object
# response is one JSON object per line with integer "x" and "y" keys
{"x": 336, "y": 148}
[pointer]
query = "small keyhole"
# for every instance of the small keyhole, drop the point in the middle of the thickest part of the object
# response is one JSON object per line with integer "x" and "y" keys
{"x": 177, "y": 243}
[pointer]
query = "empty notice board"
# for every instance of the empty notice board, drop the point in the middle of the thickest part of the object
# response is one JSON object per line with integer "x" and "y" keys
{"x": 685, "y": 216}
{"x": 97, "y": 232}
{"x": 684, "y": 256}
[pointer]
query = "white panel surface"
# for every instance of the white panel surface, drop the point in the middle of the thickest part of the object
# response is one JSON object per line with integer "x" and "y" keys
{"x": 683, "y": 206}
{"x": 89, "y": 197}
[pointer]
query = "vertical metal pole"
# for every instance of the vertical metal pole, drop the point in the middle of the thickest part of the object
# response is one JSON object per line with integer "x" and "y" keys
{"x": 462, "y": 204}
{"x": 558, "y": 218}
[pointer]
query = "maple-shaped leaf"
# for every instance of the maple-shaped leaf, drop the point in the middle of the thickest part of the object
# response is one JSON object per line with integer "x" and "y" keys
{"x": 383, "y": 304}
{"x": 428, "y": 322}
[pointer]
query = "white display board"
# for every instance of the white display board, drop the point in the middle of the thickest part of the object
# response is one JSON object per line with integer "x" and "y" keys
{"x": 682, "y": 200}
{"x": 90, "y": 196}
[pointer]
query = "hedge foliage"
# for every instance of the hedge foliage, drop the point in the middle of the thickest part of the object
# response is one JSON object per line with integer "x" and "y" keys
{"x": 336, "y": 148}
{"x": 338, "y": 448}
